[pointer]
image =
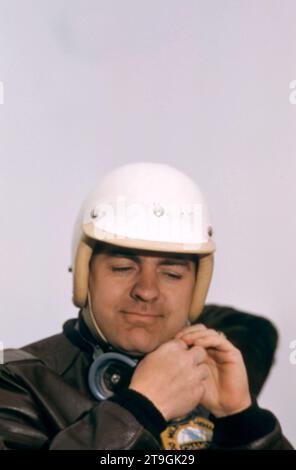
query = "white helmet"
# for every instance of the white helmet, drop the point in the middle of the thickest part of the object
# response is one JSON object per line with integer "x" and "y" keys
{"x": 149, "y": 206}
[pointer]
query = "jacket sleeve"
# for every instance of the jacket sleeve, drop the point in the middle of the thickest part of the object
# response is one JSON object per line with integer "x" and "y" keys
{"x": 30, "y": 421}
{"x": 127, "y": 421}
{"x": 252, "y": 429}
{"x": 20, "y": 423}
{"x": 108, "y": 426}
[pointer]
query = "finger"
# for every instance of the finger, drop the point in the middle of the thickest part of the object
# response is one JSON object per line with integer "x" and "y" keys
{"x": 224, "y": 357}
{"x": 197, "y": 354}
{"x": 191, "y": 328}
{"x": 173, "y": 345}
{"x": 194, "y": 337}
{"x": 203, "y": 371}
{"x": 215, "y": 342}
{"x": 209, "y": 340}
{"x": 178, "y": 343}
{"x": 200, "y": 332}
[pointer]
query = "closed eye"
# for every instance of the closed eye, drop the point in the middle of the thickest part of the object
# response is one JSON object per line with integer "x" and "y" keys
{"x": 127, "y": 268}
{"x": 121, "y": 269}
{"x": 175, "y": 276}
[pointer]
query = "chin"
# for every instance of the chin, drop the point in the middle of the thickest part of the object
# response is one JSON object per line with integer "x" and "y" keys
{"x": 135, "y": 348}
{"x": 137, "y": 351}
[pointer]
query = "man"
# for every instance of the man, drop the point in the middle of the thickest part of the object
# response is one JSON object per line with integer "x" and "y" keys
{"x": 136, "y": 370}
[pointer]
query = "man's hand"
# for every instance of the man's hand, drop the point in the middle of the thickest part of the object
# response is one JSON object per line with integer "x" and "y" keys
{"x": 172, "y": 377}
{"x": 226, "y": 389}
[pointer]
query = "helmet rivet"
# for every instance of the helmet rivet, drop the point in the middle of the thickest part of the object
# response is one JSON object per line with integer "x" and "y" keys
{"x": 94, "y": 214}
{"x": 210, "y": 231}
{"x": 115, "y": 378}
{"x": 158, "y": 210}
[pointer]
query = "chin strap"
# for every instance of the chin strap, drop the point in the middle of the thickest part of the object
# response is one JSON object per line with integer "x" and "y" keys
{"x": 89, "y": 318}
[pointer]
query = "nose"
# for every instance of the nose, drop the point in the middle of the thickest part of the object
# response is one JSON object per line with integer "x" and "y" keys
{"x": 146, "y": 286}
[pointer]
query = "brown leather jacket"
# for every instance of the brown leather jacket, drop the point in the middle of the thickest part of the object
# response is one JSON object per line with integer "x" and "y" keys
{"x": 45, "y": 403}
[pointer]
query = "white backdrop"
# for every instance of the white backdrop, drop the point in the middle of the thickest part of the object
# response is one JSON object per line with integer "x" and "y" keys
{"x": 203, "y": 85}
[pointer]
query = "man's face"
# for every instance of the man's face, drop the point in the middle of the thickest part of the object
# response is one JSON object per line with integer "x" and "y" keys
{"x": 140, "y": 298}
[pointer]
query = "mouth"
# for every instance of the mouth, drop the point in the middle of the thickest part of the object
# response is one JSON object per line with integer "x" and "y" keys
{"x": 140, "y": 317}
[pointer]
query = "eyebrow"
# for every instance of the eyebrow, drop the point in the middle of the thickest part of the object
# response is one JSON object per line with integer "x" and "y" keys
{"x": 164, "y": 261}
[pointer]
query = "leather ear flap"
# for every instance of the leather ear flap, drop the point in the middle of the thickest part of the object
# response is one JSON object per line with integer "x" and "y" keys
{"x": 81, "y": 270}
{"x": 203, "y": 280}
